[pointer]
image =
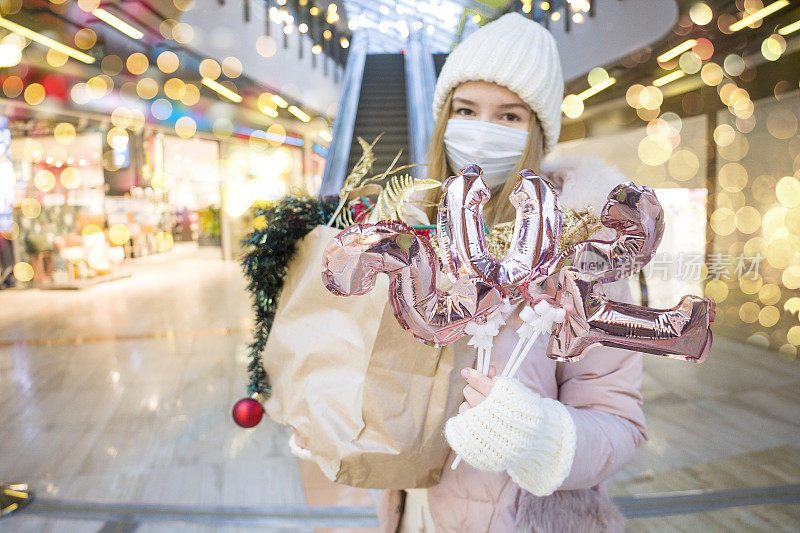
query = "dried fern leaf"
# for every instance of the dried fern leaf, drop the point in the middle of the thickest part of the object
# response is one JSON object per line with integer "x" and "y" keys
{"x": 356, "y": 177}
{"x": 362, "y": 167}
{"x": 397, "y": 193}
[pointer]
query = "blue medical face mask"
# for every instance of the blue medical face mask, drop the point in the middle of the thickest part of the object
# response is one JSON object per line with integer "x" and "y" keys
{"x": 496, "y": 149}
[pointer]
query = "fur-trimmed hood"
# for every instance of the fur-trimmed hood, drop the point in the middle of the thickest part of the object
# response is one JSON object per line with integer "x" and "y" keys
{"x": 584, "y": 180}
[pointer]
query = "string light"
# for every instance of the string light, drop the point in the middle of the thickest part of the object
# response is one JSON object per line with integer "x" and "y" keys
{"x": 280, "y": 102}
{"x": 791, "y": 28}
{"x": 758, "y": 15}
{"x": 299, "y": 113}
{"x": 672, "y": 76}
{"x": 117, "y": 23}
{"x": 46, "y": 41}
{"x": 675, "y": 52}
{"x": 591, "y": 91}
{"x": 222, "y": 90}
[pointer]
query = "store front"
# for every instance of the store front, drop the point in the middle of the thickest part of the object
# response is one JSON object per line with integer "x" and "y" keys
{"x": 79, "y": 205}
{"x": 79, "y": 201}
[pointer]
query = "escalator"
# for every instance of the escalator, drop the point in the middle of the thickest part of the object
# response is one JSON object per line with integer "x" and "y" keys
{"x": 389, "y": 94}
{"x": 382, "y": 108}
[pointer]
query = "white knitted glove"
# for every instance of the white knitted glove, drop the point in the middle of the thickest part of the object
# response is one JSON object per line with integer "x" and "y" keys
{"x": 514, "y": 429}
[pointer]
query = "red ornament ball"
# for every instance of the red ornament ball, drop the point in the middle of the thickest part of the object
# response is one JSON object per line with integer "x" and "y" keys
{"x": 247, "y": 412}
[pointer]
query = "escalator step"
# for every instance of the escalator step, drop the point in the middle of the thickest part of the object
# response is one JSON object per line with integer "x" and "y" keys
{"x": 382, "y": 109}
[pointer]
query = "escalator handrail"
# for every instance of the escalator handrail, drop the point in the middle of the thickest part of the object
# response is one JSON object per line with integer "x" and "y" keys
{"x": 339, "y": 149}
{"x": 420, "y": 82}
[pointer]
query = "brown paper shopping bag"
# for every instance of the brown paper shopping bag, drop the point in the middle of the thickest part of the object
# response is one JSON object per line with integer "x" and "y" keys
{"x": 368, "y": 400}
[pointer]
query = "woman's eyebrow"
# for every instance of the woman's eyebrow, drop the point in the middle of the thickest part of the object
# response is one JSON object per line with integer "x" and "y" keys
{"x": 516, "y": 104}
{"x": 463, "y": 100}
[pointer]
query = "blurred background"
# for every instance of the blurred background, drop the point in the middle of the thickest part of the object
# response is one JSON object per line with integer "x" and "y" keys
{"x": 138, "y": 138}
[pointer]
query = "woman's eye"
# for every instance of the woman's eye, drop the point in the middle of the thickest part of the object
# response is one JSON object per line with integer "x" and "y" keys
{"x": 464, "y": 111}
{"x": 511, "y": 117}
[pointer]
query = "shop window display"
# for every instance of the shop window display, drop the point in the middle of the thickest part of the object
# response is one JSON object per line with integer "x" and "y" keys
{"x": 68, "y": 228}
{"x": 192, "y": 183}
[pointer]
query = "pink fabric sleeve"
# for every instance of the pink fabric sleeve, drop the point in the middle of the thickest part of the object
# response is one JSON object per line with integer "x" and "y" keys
{"x": 603, "y": 394}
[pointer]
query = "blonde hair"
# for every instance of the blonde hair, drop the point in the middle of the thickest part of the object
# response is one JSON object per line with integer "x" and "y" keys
{"x": 498, "y": 209}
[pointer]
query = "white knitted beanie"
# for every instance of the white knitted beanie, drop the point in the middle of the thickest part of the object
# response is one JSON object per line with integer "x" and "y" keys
{"x": 514, "y": 52}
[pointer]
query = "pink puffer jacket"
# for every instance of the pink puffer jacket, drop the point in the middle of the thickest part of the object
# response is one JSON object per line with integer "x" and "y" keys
{"x": 601, "y": 392}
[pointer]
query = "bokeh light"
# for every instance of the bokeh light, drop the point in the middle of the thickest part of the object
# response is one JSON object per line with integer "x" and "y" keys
{"x": 655, "y": 150}
{"x": 773, "y": 47}
{"x": 164, "y": 242}
{"x": 111, "y": 65}
{"x": 30, "y": 207}
{"x": 185, "y": 127}
{"x": 782, "y": 124}
{"x": 690, "y": 63}
{"x": 183, "y": 33}
{"x": 700, "y": 14}
{"x": 70, "y": 178}
{"x": 231, "y": 67}
{"x": 168, "y": 62}
{"x": 12, "y": 86}
{"x": 572, "y": 106}
{"x": 276, "y": 134}
{"x": 597, "y": 75}
{"x": 683, "y": 165}
{"x": 56, "y": 58}
{"x": 44, "y": 180}
{"x": 266, "y": 46}
{"x": 723, "y": 221}
{"x": 733, "y": 65}
{"x": 788, "y": 191}
{"x": 91, "y": 229}
{"x": 64, "y": 133}
{"x": 161, "y": 109}
{"x": 23, "y": 272}
{"x": 174, "y": 88}
{"x": 85, "y": 38}
{"x": 147, "y": 88}
{"x": 191, "y": 94}
{"x": 137, "y": 63}
{"x": 210, "y": 69}
{"x": 222, "y": 128}
{"x": 34, "y": 94}
{"x": 748, "y": 219}
{"x": 119, "y": 234}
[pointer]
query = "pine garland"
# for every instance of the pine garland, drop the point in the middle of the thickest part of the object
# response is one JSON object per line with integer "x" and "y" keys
{"x": 268, "y": 253}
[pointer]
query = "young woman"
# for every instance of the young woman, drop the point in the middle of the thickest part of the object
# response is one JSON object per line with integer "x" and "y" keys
{"x": 536, "y": 448}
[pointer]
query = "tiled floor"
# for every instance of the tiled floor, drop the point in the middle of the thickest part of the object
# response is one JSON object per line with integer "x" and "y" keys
{"x": 122, "y": 392}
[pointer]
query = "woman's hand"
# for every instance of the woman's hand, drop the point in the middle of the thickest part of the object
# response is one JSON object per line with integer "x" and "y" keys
{"x": 478, "y": 387}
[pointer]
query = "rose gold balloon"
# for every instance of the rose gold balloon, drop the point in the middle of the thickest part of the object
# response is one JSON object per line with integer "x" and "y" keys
{"x": 682, "y": 332}
{"x": 533, "y": 251}
{"x": 592, "y": 319}
{"x": 359, "y": 253}
{"x": 636, "y": 215}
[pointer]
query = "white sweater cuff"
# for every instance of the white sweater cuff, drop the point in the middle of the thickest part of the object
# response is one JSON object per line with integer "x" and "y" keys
{"x": 516, "y": 430}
